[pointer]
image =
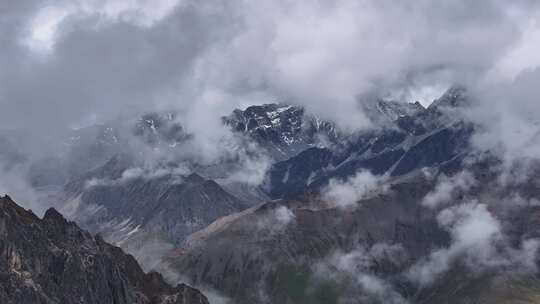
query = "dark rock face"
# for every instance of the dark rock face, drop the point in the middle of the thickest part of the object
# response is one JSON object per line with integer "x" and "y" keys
{"x": 283, "y": 130}
{"x": 169, "y": 205}
{"x": 160, "y": 128}
{"x": 291, "y": 177}
{"x": 407, "y": 137}
{"x": 51, "y": 260}
{"x": 440, "y": 147}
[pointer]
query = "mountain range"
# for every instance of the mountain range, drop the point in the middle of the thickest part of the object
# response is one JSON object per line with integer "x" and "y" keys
{"x": 406, "y": 210}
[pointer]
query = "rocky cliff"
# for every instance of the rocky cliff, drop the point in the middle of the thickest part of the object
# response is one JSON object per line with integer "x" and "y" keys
{"x": 51, "y": 260}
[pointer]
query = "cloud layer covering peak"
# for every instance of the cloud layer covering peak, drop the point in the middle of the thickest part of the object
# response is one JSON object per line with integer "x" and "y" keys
{"x": 75, "y": 62}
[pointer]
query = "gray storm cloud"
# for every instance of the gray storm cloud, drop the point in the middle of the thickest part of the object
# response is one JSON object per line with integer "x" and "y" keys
{"x": 74, "y": 63}
{"x": 67, "y": 63}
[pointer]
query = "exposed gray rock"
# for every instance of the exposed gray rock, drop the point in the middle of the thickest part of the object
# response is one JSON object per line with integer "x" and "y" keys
{"x": 405, "y": 137}
{"x": 51, "y": 260}
{"x": 283, "y": 130}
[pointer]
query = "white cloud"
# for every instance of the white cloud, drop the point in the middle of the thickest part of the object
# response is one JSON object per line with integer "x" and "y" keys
{"x": 354, "y": 267}
{"x": 14, "y": 182}
{"x": 252, "y": 170}
{"x": 96, "y": 182}
{"x": 132, "y": 173}
{"x": 524, "y": 55}
{"x": 474, "y": 232}
{"x": 347, "y": 193}
{"x": 207, "y": 58}
{"x": 277, "y": 220}
{"x": 447, "y": 188}
{"x": 148, "y": 173}
{"x": 507, "y": 113}
{"x": 284, "y": 215}
{"x": 43, "y": 28}
{"x": 477, "y": 240}
{"x": 425, "y": 94}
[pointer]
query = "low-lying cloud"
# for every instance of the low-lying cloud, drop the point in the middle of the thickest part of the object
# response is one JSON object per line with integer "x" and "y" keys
{"x": 447, "y": 189}
{"x": 477, "y": 240}
{"x": 276, "y": 220}
{"x": 355, "y": 267}
{"x": 347, "y": 193}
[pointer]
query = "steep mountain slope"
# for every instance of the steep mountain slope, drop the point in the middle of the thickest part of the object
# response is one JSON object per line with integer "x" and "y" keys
{"x": 387, "y": 248}
{"x": 274, "y": 257}
{"x": 123, "y": 202}
{"x": 406, "y": 137}
{"x": 51, "y": 260}
{"x": 283, "y": 130}
{"x": 132, "y": 205}
{"x": 395, "y": 243}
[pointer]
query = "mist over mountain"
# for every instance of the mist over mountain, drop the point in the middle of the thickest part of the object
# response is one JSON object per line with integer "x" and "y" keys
{"x": 269, "y": 152}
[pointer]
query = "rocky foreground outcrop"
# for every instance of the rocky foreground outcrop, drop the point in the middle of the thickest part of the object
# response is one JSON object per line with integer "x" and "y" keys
{"x": 52, "y": 260}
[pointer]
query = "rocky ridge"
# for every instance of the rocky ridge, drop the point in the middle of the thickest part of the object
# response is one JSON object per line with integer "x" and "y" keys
{"x": 51, "y": 260}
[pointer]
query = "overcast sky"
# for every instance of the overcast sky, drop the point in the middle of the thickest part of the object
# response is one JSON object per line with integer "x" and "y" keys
{"x": 70, "y": 63}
